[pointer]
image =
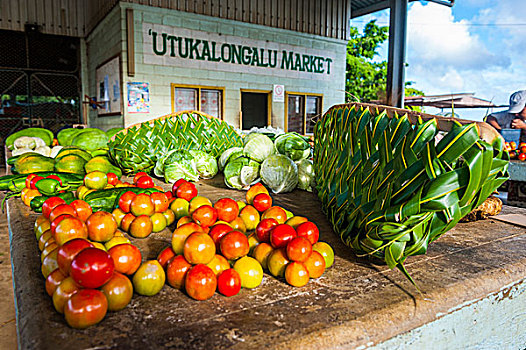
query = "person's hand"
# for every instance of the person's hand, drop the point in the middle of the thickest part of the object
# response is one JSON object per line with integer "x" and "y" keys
{"x": 518, "y": 124}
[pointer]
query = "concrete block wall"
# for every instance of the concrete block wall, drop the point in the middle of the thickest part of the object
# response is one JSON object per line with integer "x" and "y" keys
{"x": 104, "y": 43}
{"x": 231, "y": 77}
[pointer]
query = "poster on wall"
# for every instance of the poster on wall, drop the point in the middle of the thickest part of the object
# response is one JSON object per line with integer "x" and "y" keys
{"x": 138, "y": 97}
{"x": 108, "y": 84}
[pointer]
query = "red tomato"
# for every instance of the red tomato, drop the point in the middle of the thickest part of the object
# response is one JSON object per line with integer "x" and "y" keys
{"x": 234, "y": 245}
{"x": 205, "y": 216}
{"x": 68, "y": 251}
{"x": 200, "y": 282}
{"x": 199, "y": 248}
{"x": 145, "y": 182}
{"x": 58, "y": 219}
{"x": 82, "y": 209}
{"x": 176, "y": 185}
{"x": 126, "y": 258}
{"x": 119, "y": 291}
{"x": 53, "y": 280}
{"x": 169, "y": 195}
{"x": 262, "y": 202}
{"x": 176, "y": 271}
{"x": 229, "y": 282}
{"x": 263, "y": 229}
{"x": 296, "y": 274}
{"x": 186, "y": 190}
{"x": 299, "y": 249}
{"x": 522, "y": 156}
{"x": 70, "y": 228}
{"x": 315, "y": 264}
{"x": 63, "y": 292}
{"x": 217, "y": 232}
{"x": 85, "y": 308}
{"x": 227, "y": 209}
{"x": 50, "y": 204}
{"x": 91, "y": 268}
{"x": 308, "y": 230}
{"x": 281, "y": 235}
{"x": 165, "y": 256}
{"x": 138, "y": 176}
{"x": 61, "y": 209}
{"x": 160, "y": 201}
{"x": 125, "y": 201}
{"x": 113, "y": 179}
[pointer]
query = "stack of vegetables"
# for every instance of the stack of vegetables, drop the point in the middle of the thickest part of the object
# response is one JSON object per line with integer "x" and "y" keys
{"x": 169, "y": 146}
{"x": 390, "y": 187}
{"x": 282, "y": 165}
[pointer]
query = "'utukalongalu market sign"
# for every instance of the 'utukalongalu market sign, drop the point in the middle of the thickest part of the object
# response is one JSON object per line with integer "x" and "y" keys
{"x": 197, "y": 49}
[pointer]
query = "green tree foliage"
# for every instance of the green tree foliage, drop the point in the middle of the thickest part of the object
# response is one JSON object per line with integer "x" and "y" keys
{"x": 365, "y": 79}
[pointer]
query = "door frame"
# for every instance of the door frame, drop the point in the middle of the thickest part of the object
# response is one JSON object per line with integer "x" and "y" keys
{"x": 304, "y": 94}
{"x": 269, "y": 105}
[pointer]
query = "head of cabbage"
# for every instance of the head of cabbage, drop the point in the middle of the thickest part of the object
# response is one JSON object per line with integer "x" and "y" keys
{"x": 258, "y": 147}
{"x": 205, "y": 164}
{"x": 175, "y": 165}
{"x": 241, "y": 172}
{"x": 279, "y": 173}
{"x": 231, "y": 153}
{"x": 293, "y": 145}
{"x": 306, "y": 178}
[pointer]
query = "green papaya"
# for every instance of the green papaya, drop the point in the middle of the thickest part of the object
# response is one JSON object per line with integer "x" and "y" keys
{"x": 44, "y": 134}
{"x": 65, "y": 136}
{"x": 99, "y": 163}
{"x": 74, "y": 150}
{"x": 70, "y": 163}
{"x": 90, "y": 139}
{"x": 33, "y": 162}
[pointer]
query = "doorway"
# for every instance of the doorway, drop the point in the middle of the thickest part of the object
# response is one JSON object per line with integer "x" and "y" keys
{"x": 254, "y": 109}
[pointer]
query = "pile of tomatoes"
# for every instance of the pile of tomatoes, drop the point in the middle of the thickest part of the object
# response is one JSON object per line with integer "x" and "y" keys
{"x": 212, "y": 247}
{"x": 516, "y": 152}
{"x": 91, "y": 268}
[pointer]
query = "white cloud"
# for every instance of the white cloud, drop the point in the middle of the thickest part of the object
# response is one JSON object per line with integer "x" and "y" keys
{"x": 436, "y": 39}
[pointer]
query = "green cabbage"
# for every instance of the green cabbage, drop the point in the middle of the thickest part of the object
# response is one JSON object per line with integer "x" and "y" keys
{"x": 241, "y": 172}
{"x": 175, "y": 165}
{"x": 232, "y": 152}
{"x": 258, "y": 147}
{"x": 279, "y": 173}
{"x": 306, "y": 179}
{"x": 205, "y": 163}
{"x": 293, "y": 145}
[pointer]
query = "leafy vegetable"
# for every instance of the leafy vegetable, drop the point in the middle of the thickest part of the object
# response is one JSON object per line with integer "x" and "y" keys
{"x": 231, "y": 153}
{"x": 293, "y": 145}
{"x": 306, "y": 179}
{"x": 241, "y": 172}
{"x": 279, "y": 173}
{"x": 206, "y": 164}
{"x": 258, "y": 147}
{"x": 177, "y": 164}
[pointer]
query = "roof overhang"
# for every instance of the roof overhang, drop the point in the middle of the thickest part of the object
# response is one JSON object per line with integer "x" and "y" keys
{"x": 365, "y": 7}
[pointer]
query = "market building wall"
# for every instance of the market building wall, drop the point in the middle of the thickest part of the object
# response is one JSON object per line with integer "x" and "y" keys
{"x": 104, "y": 43}
{"x": 322, "y": 72}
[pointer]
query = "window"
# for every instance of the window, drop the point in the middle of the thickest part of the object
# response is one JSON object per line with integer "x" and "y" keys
{"x": 208, "y": 100}
{"x": 301, "y": 110}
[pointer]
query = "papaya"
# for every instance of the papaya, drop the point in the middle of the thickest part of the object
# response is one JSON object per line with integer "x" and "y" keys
{"x": 33, "y": 162}
{"x": 65, "y": 136}
{"x": 90, "y": 139}
{"x": 99, "y": 163}
{"x": 74, "y": 150}
{"x": 70, "y": 163}
{"x": 44, "y": 134}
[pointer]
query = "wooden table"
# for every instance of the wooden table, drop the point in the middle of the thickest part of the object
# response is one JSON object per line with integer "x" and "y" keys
{"x": 472, "y": 279}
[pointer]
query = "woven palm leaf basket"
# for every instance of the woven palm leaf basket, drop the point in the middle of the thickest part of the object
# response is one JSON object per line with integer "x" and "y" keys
{"x": 391, "y": 181}
{"x": 137, "y": 147}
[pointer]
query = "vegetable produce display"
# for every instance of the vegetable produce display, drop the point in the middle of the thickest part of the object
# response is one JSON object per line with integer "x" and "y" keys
{"x": 390, "y": 189}
{"x": 138, "y": 147}
{"x": 275, "y": 163}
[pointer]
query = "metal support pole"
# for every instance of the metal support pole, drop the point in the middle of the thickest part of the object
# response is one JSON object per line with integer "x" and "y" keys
{"x": 396, "y": 60}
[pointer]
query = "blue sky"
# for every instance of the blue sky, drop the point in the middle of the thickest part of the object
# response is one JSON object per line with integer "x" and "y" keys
{"x": 475, "y": 46}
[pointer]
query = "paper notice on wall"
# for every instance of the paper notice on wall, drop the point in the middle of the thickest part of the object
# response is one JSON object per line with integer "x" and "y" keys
{"x": 138, "y": 97}
{"x": 278, "y": 94}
